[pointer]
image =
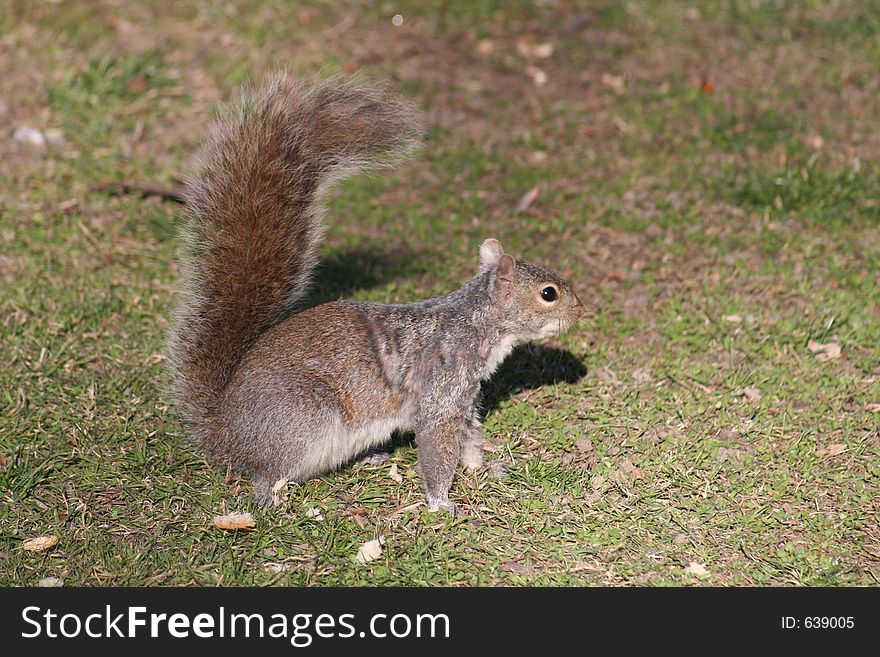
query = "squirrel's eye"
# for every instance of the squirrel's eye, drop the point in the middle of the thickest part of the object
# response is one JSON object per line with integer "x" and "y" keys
{"x": 549, "y": 293}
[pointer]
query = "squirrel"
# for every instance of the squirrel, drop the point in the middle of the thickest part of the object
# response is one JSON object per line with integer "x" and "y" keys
{"x": 279, "y": 392}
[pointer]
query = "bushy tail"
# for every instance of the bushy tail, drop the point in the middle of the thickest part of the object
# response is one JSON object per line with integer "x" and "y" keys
{"x": 254, "y": 216}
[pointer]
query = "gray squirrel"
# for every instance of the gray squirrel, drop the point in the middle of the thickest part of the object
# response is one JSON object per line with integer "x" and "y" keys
{"x": 284, "y": 394}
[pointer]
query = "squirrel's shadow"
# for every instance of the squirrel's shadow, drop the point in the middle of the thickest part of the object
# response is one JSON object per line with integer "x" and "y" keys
{"x": 342, "y": 273}
{"x": 528, "y": 367}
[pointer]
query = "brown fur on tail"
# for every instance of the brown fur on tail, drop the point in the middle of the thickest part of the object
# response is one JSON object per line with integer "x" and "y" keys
{"x": 254, "y": 217}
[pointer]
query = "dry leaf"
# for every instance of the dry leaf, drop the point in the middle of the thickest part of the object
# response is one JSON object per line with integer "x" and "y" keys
{"x": 370, "y": 550}
{"x": 516, "y": 568}
{"x": 696, "y": 569}
{"x": 66, "y": 206}
{"x": 276, "y": 568}
{"x": 527, "y": 47}
{"x": 832, "y": 450}
{"x": 50, "y": 582}
{"x": 584, "y": 445}
{"x": 538, "y": 157}
{"x": 359, "y": 516}
{"x": 40, "y": 543}
{"x": 642, "y": 375}
{"x": 527, "y": 199}
{"x": 524, "y": 44}
{"x": 34, "y": 137}
{"x": 873, "y": 408}
{"x": 621, "y": 125}
{"x": 303, "y": 564}
{"x": 733, "y": 319}
{"x": 825, "y": 351}
{"x": 727, "y": 454}
{"x": 538, "y": 76}
{"x": 394, "y": 474}
{"x": 406, "y": 509}
{"x": 235, "y": 521}
{"x": 616, "y": 82}
{"x": 542, "y": 50}
{"x": 752, "y": 394}
{"x": 314, "y": 513}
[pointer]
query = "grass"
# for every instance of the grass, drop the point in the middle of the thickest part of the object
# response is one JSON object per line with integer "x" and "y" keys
{"x": 707, "y": 181}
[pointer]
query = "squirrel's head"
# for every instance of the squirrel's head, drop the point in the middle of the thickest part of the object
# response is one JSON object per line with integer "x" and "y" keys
{"x": 534, "y": 302}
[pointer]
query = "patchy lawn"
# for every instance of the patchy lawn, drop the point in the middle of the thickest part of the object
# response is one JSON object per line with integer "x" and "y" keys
{"x": 707, "y": 178}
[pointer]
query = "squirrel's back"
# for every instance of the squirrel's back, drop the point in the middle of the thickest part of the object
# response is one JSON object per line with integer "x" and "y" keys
{"x": 254, "y": 220}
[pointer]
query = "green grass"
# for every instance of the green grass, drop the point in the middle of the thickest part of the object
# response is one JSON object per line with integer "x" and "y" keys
{"x": 715, "y": 232}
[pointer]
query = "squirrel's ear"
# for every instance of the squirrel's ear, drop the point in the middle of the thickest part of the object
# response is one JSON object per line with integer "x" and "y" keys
{"x": 490, "y": 252}
{"x": 505, "y": 272}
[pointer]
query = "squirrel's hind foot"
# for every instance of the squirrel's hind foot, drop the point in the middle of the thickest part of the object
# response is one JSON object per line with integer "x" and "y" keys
{"x": 472, "y": 454}
{"x": 437, "y": 504}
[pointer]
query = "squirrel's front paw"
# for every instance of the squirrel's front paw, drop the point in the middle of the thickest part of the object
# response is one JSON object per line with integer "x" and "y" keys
{"x": 372, "y": 457}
